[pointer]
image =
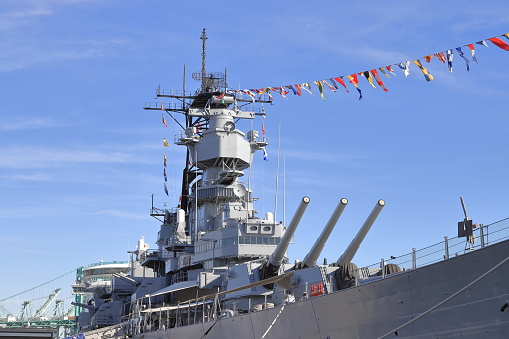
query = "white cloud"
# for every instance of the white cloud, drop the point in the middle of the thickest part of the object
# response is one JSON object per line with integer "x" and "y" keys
{"x": 32, "y": 123}
{"x": 30, "y": 177}
{"x": 122, "y": 214}
{"x": 29, "y": 157}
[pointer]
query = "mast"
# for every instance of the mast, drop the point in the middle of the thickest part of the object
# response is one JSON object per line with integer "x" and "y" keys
{"x": 203, "y": 60}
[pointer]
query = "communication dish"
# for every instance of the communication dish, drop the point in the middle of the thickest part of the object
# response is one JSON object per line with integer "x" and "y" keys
{"x": 239, "y": 190}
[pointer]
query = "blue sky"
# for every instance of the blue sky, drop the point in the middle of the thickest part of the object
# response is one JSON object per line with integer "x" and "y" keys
{"x": 80, "y": 158}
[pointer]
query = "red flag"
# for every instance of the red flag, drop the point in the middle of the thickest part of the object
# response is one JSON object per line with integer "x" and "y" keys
{"x": 297, "y": 88}
{"x": 441, "y": 56}
{"x": 379, "y": 80}
{"x": 389, "y": 68}
{"x": 342, "y": 83}
{"x": 164, "y": 121}
{"x": 500, "y": 43}
{"x": 263, "y": 128}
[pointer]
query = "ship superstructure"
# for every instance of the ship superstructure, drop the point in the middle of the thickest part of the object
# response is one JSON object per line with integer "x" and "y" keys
{"x": 221, "y": 270}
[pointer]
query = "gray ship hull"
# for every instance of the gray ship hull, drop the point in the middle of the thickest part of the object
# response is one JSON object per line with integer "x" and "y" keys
{"x": 374, "y": 309}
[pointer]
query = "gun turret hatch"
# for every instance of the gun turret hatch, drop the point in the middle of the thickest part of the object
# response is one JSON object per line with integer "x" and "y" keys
{"x": 270, "y": 268}
{"x": 314, "y": 253}
{"x": 348, "y": 255}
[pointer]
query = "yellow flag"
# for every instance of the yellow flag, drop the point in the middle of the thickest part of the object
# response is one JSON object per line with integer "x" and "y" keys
{"x": 165, "y": 142}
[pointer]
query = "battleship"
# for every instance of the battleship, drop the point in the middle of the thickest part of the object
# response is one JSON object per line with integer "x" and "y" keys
{"x": 220, "y": 270}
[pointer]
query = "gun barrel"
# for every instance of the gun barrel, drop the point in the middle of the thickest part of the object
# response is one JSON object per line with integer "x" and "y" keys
{"x": 314, "y": 253}
{"x": 356, "y": 242}
{"x": 277, "y": 256}
{"x": 90, "y": 307}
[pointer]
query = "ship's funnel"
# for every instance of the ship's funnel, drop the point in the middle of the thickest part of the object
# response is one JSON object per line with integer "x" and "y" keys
{"x": 269, "y": 269}
{"x": 348, "y": 255}
{"x": 314, "y": 253}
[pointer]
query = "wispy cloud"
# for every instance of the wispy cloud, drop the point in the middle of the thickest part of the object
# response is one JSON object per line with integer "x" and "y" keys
{"x": 28, "y": 157}
{"x": 24, "y": 44}
{"x": 323, "y": 157}
{"x": 30, "y": 177}
{"x": 32, "y": 123}
{"x": 15, "y": 56}
{"x": 122, "y": 214}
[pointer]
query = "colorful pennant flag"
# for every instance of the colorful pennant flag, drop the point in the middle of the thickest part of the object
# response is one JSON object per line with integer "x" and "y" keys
{"x": 265, "y": 155}
{"x": 164, "y": 121}
{"x": 368, "y": 77}
{"x": 472, "y": 52}
{"x": 320, "y": 88}
{"x": 164, "y": 172}
{"x": 449, "y": 59}
{"x": 424, "y": 71}
{"x": 165, "y": 143}
{"x": 428, "y": 58}
{"x": 355, "y": 81}
{"x": 405, "y": 68}
{"x": 499, "y": 43}
{"x": 164, "y": 159}
{"x": 340, "y": 80}
{"x": 382, "y": 69}
{"x": 329, "y": 85}
{"x": 165, "y": 189}
{"x": 441, "y": 56}
{"x": 251, "y": 94}
{"x": 297, "y": 88}
{"x": 389, "y": 68}
{"x": 333, "y": 83}
{"x": 306, "y": 87}
{"x": 379, "y": 80}
{"x": 292, "y": 88}
{"x": 460, "y": 52}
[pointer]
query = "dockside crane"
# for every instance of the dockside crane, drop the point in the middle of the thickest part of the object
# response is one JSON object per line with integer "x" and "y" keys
{"x": 40, "y": 311}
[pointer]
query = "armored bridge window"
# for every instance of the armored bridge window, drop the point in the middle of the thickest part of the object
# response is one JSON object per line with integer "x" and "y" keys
{"x": 234, "y": 241}
{"x": 257, "y": 240}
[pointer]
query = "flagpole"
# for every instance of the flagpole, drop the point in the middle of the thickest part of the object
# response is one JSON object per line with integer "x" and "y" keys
{"x": 277, "y": 170}
{"x": 196, "y": 196}
{"x": 284, "y": 190}
{"x": 249, "y": 181}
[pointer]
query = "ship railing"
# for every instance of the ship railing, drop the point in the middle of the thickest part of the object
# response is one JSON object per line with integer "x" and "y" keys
{"x": 484, "y": 235}
{"x": 145, "y": 316}
{"x": 171, "y": 106}
{"x": 105, "y": 263}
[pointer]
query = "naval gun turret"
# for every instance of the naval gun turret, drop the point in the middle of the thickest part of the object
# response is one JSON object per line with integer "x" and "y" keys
{"x": 314, "y": 253}
{"x": 271, "y": 266}
{"x": 347, "y": 272}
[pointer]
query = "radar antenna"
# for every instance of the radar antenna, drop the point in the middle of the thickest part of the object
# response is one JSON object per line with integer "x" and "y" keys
{"x": 466, "y": 228}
